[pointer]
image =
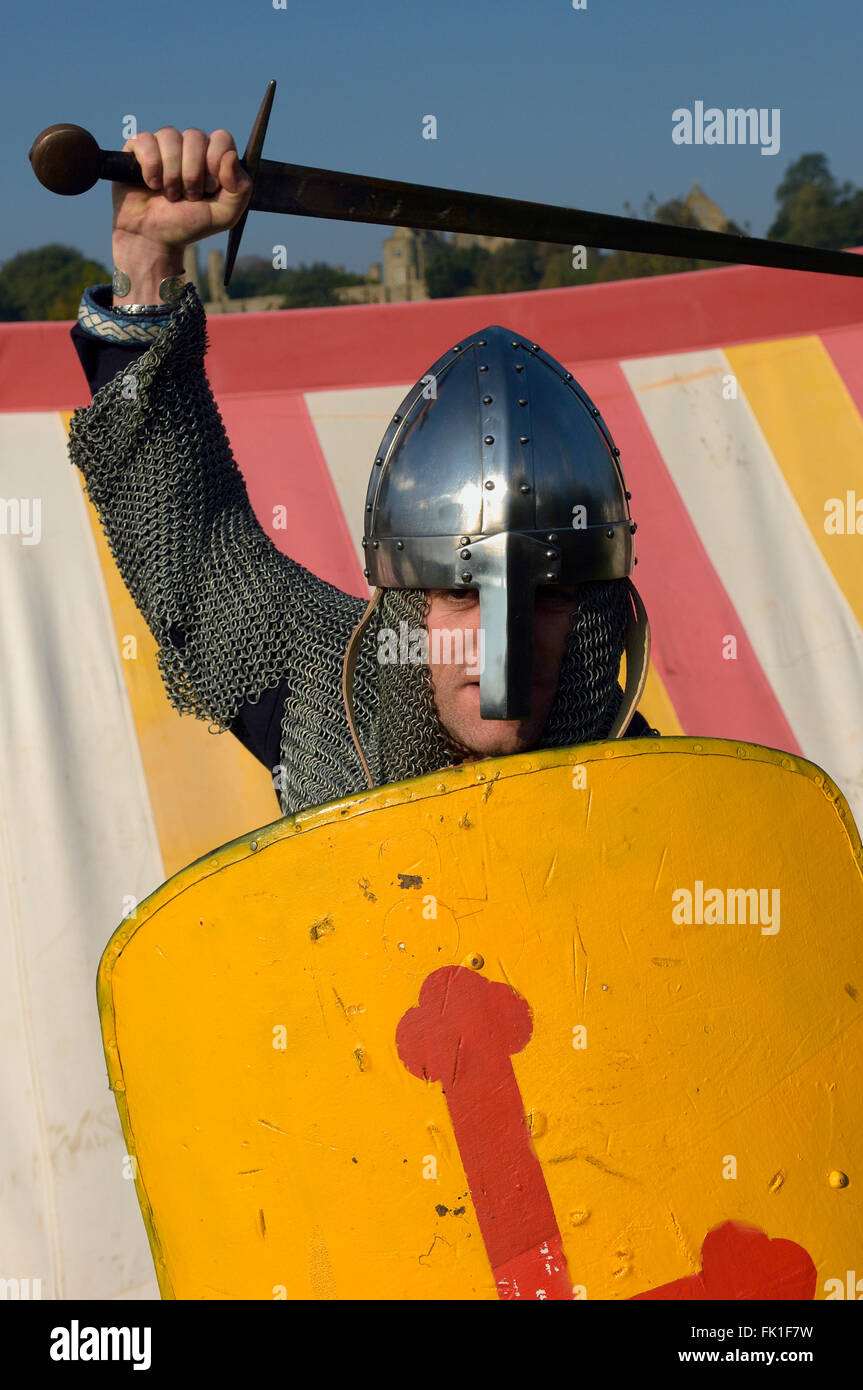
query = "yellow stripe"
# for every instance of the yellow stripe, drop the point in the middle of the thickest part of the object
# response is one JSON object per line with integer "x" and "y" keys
{"x": 204, "y": 789}
{"x": 655, "y": 704}
{"x": 815, "y": 433}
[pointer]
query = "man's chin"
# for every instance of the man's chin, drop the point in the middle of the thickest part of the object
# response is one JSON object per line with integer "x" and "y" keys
{"x": 490, "y": 738}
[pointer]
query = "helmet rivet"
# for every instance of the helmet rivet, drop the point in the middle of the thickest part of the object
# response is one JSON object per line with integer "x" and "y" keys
{"x": 368, "y": 506}
{"x": 552, "y": 535}
{"x": 514, "y": 343}
{"x": 525, "y": 487}
{"x": 629, "y": 497}
{"x": 486, "y": 400}
{"x": 534, "y": 347}
{"x": 594, "y": 412}
{"x": 551, "y": 576}
{"x": 457, "y": 347}
{"x": 396, "y": 418}
{"x": 522, "y": 400}
{"x": 365, "y": 542}
{"x": 378, "y": 462}
{"x": 400, "y": 545}
{"x": 616, "y": 453}
{"x": 568, "y": 376}
{"x": 481, "y": 342}
{"x": 465, "y": 554}
{"x": 489, "y": 439}
{"x": 519, "y": 367}
{"x": 375, "y": 544}
{"x": 609, "y": 533}
{"x": 551, "y": 555}
{"x": 466, "y": 577}
{"x": 483, "y": 368}
{"x": 633, "y": 528}
{"x": 523, "y": 439}
{"x": 489, "y": 484}
{"x": 366, "y": 573}
{"x": 465, "y": 540}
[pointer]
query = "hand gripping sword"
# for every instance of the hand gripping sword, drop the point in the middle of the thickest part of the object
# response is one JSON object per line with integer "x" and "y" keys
{"x": 67, "y": 159}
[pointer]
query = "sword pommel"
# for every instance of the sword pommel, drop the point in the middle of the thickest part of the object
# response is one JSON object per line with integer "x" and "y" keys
{"x": 66, "y": 159}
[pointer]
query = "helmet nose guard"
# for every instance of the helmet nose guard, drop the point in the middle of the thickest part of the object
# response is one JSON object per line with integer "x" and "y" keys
{"x": 497, "y": 473}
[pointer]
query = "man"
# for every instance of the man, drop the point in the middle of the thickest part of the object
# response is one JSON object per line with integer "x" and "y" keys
{"x": 496, "y": 510}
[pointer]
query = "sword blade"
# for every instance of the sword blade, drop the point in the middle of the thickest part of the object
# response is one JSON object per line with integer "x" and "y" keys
{"x": 310, "y": 192}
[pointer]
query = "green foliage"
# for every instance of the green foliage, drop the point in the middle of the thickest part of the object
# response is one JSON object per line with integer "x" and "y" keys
{"x": 453, "y": 272}
{"x": 535, "y": 265}
{"x": 518, "y": 265}
{"x": 47, "y": 283}
{"x": 634, "y": 265}
{"x": 303, "y": 287}
{"x": 814, "y": 210}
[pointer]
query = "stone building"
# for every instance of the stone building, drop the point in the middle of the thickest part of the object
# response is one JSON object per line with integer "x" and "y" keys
{"x": 707, "y": 213}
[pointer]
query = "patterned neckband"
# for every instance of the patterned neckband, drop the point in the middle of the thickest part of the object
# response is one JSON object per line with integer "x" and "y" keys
{"x": 98, "y": 318}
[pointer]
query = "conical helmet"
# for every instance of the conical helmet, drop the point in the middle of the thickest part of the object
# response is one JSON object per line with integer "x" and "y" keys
{"x": 498, "y": 473}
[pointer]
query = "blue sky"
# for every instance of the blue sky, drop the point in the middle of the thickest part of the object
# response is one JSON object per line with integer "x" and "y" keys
{"x": 532, "y": 98}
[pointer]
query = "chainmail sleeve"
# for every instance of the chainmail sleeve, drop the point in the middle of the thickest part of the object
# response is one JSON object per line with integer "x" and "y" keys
{"x": 231, "y": 614}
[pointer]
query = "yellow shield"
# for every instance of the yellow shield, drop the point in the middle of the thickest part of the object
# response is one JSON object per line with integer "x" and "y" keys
{"x": 579, "y": 1023}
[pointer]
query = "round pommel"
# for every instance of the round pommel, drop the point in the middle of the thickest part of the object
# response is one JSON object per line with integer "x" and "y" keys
{"x": 66, "y": 159}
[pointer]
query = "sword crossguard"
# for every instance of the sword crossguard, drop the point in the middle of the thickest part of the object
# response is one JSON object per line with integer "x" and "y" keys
{"x": 250, "y": 161}
{"x": 66, "y": 159}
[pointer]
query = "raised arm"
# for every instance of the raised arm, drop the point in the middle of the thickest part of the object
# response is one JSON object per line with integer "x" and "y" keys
{"x": 232, "y": 615}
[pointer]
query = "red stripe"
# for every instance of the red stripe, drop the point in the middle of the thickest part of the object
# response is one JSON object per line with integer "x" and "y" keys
{"x": 276, "y": 445}
{"x": 689, "y": 609}
{"x": 845, "y": 347}
{"x": 462, "y": 1033}
{"x": 379, "y": 344}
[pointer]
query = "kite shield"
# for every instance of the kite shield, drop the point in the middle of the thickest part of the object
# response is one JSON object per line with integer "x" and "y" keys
{"x": 583, "y": 1023}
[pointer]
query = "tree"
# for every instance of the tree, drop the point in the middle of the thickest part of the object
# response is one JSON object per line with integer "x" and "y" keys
{"x": 816, "y": 211}
{"x": 303, "y": 287}
{"x": 633, "y": 265}
{"x": 47, "y": 283}
{"x": 453, "y": 271}
{"x": 312, "y": 286}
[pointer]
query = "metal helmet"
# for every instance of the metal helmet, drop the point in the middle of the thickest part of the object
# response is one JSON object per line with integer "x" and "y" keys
{"x": 498, "y": 473}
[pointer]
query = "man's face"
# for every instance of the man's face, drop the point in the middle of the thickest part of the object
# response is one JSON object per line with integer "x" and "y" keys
{"x": 456, "y": 686}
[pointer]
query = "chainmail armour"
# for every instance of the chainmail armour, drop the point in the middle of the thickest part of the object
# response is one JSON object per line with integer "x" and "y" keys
{"x": 234, "y": 617}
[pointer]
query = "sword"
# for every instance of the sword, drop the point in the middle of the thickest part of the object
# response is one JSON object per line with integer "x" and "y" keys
{"x": 66, "y": 159}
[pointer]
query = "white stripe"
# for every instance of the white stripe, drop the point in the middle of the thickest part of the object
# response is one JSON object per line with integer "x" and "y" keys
{"x": 799, "y": 622}
{"x": 350, "y": 425}
{"x": 76, "y": 835}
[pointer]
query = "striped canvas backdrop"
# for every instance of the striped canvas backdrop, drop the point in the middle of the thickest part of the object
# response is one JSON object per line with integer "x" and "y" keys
{"x": 735, "y": 397}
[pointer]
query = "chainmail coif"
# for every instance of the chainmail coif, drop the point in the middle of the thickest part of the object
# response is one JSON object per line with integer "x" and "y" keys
{"x": 233, "y": 616}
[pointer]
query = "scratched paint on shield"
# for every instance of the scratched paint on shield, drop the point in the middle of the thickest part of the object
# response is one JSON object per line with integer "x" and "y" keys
{"x": 463, "y": 1033}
